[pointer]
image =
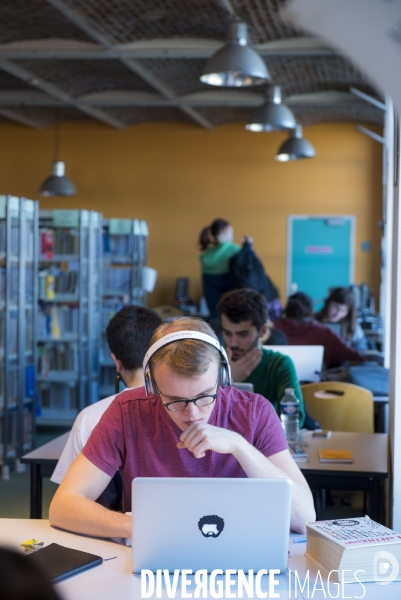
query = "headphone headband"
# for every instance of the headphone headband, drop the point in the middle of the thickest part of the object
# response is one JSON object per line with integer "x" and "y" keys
{"x": 182, "y": 335}
{"x": 185, "y": 335}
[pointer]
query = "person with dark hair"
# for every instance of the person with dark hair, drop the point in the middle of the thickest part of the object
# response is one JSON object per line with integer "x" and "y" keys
{"x": 301, "y": 328}
{"x": 188, "y": 421}
{"x": 243, "y": 315}
{"x": 339, "y": 307}
{"x": 20, "y": 579}
{"x": 217, "y": 248}
{"x": 128, "y": 335}
{"x": 299, "y": 307}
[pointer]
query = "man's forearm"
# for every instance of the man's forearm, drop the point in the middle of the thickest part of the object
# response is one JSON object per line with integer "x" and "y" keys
{"x": 258, "y": 466}
{"x": 76, "y": 513}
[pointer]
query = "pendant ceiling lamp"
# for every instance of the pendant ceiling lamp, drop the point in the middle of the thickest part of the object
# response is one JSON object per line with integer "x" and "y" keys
{"x": 236, "y": 64}
{"x": 273, "y": 115}
{"x": 295, "y": 147}
{"x": 57, "y": 184}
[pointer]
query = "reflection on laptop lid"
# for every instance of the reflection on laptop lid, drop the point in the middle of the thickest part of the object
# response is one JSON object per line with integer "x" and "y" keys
{"x": 199, "y": 523}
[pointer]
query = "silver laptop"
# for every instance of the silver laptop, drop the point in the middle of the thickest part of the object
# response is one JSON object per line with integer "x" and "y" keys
{"x": 308, "y": 360}
{"x": 197, "y": 523}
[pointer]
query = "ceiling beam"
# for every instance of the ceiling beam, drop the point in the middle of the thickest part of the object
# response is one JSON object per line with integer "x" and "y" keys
{"x": 79, "y": 20}
{"x": 56, "y": 92}
{"x": 13, "y": 116}
{"x": 27, "y": 98}
{"x": 139, "y": 70}
{"x": 152, "y": 49}
{"x": 208, "y": 98}
{"x": 369, "y": 99}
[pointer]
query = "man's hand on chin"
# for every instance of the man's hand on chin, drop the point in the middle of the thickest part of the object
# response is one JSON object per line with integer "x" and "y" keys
{"x": 243, "y": 367}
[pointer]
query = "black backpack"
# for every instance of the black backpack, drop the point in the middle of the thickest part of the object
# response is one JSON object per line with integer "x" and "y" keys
{"x": 248, "y": 272}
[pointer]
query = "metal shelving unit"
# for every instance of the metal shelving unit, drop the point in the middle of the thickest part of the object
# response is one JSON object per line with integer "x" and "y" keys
{"x": 69, "y": 313}
{"x": 18, "y": 274}
{"x": 125, "y": 253}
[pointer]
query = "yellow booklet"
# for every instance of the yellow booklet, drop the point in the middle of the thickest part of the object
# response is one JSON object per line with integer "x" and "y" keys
{"x": 333, "y": 456}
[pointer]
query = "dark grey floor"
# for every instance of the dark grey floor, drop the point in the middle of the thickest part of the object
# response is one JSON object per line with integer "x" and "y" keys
{"x": 14, "y": 493}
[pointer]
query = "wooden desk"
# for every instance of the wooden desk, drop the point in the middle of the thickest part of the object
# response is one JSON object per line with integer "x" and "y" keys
{"x": 366, "y": 473}
{"x": 43, "y": 461}
{"x": 114, "y": 579}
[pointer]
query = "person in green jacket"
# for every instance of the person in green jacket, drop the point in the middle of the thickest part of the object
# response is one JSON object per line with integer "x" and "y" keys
{"x": 217, "y": 248}
{"x": 243, "y": 315}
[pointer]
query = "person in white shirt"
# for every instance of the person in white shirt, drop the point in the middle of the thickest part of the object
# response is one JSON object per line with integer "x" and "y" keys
{"x": 128, "y": 335}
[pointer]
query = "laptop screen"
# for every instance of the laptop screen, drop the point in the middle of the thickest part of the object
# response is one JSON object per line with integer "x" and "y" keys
{"x": 197, "y": 523}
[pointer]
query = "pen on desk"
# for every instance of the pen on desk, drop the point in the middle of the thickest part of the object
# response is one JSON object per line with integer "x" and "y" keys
{"x": 299, "y": 540}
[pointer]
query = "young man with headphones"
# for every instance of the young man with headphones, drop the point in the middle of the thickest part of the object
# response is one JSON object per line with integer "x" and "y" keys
{"x": 187, "y": 422}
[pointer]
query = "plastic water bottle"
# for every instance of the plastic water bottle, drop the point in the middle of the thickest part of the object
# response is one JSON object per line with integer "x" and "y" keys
{"x": 289, "y": 407}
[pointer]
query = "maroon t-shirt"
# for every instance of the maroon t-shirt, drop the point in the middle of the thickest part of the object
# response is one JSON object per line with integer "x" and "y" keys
{"x": 137, "y": 436}
{"x": 311, "y": 332}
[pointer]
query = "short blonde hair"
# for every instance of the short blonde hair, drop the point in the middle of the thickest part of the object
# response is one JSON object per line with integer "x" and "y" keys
{"x": 188, "y": 358}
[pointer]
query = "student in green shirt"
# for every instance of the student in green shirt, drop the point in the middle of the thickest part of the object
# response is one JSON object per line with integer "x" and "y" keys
{"x": 243, "y": 315}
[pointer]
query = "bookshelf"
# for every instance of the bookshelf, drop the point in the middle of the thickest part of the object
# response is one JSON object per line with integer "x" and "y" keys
{"x": 68, "y": 321}
{"x": 125, "y": 252}
{"x": 18, "y": 275}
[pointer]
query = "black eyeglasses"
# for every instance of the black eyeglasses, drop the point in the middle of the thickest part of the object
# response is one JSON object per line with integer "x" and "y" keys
{"x": 176, "y": 405}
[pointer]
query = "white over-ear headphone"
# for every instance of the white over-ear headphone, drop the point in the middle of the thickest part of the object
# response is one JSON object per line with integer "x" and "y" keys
{"x": 224, "y": 372}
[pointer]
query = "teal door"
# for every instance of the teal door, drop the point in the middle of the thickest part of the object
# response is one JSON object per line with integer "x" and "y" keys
{"x": 320, "y": 254}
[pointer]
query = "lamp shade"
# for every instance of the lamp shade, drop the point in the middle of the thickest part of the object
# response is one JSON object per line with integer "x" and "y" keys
{"x": 236, "y": 64}
{"x": 295, "y": 147}
{"x": 273, "y": 115}
{"x": 57, "y": 184}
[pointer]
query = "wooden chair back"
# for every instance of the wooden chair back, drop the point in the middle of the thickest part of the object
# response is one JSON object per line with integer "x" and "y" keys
{"x": 340, "y": 406}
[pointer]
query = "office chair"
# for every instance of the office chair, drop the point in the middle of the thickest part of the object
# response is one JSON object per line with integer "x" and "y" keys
{"x": 340, "y": 406}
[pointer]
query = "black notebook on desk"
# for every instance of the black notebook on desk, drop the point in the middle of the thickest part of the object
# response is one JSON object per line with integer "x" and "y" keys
{"x": 59, "y": 562}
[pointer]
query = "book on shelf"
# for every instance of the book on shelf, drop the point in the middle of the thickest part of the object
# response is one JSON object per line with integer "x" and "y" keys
{"x": 57, "y": 281}
{"x": 46, "y": 242}
{"x": 117, "y": 245}
{"x": 60, "y": 357}
{"x": 56, "y": 396}
{"x": 117, "y": 278}
{"x": 354, "y": 549}
{"x": 66, "y": 282}
{"x": 55, "y": 322}
{"x": 335, "y": 456}
{"x": 53, "y": 241}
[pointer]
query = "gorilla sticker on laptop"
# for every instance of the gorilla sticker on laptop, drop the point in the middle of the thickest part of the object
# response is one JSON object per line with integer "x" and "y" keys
{"x": 211, "y": 526}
